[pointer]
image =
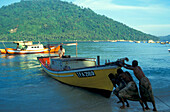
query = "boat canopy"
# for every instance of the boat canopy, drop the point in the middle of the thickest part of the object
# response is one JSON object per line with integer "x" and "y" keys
{"x": 71, "y": 63}
{"x": 23, "y": 42}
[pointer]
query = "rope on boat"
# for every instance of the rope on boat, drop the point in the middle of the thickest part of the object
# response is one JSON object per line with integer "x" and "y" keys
{"x": 4, "y": 45}
{"x": 162, "y": 101}
{"x": 159, "y": 99}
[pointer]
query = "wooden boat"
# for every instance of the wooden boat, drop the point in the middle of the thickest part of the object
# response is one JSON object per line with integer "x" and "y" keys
{"x": 3, "y": 51}
{"x": 137, "y": 41}
{"x": 162, "y": 42}
{"x": 26, "y": 47}
{"x": 81, "y": 72}
{"x": 151, "y": 41}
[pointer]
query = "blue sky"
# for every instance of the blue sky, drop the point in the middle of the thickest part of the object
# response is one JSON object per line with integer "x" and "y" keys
{"x": 149, "y": 16}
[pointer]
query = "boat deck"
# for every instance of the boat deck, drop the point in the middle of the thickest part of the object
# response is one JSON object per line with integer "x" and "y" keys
{"x": 45, "y": 61}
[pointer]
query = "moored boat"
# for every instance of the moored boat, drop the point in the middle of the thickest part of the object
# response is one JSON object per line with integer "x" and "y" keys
{"x": 137, "y": 41}
{"x": 3, "y": 51}
{"x": 27, "y": 47}
{"x": 80, "y": 72}
{"x": 169, "y": 50}
{"x": 162, "y": 42}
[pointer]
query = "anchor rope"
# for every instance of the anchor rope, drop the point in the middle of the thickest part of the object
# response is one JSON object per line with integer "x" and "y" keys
{"x": 156, "y": 97}
{"x": 162, "y": 101}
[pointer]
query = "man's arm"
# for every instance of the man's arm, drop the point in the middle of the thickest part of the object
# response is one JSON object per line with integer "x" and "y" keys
{"x": 126, "y": 66}
{"x": 63, "y": 52}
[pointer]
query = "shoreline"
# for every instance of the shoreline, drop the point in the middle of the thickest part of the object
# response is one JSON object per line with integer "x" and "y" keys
{"x": 95, "y": 41}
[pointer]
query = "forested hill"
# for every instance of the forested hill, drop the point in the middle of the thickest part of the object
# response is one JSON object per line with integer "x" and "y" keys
{"x": 55, "y": 20}
{"x": 165, "y": 38}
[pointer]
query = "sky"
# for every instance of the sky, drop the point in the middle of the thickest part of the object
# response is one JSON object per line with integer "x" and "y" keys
{"x": 149, "y": 16}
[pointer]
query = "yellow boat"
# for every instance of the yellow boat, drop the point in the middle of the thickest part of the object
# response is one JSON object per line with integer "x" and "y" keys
{"x": 80, "y": 72}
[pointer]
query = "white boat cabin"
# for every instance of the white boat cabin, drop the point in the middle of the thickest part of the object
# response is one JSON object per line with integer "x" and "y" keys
{"x": 28, "y": 45}
{"x": 34, "y": 47}
{"x": 71, "y": 63}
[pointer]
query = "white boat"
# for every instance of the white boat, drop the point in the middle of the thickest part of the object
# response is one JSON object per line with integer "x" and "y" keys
{"x": 27, "y": 47}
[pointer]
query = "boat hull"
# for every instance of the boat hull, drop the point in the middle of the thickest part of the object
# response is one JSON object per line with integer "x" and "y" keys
{"x": 3, "y": 51}
{"x": 45, "y": 50}
{"x": 92, "y": 78}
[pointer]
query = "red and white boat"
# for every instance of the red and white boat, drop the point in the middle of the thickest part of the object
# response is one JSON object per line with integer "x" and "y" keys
{"x": 27, "y": 47}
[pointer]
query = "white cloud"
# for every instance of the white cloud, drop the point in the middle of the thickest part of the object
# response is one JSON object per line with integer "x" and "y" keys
{"x": 155, "y": 29}
{"x": 109, "y": 5}
{"x": 151, "y": 17}
{"x": 155, "y": 26}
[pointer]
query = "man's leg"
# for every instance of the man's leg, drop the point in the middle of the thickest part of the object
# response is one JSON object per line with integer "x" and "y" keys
{"x": 127, "y": 103}
{"x": 141, "y": 102}
{"x": 147, "y": 108}
{"x": 123, "y": 104}
{"x": 154, "y": 107}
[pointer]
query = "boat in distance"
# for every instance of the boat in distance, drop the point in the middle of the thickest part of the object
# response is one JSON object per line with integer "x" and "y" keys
{"x": 81, "y": 72}
{"x": 27, "y": 47}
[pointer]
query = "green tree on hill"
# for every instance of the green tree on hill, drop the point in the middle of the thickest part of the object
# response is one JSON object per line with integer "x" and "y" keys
{"x": 55, "y": 20}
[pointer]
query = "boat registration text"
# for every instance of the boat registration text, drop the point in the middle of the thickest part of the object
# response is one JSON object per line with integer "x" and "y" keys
{"x": 85, "y": 74}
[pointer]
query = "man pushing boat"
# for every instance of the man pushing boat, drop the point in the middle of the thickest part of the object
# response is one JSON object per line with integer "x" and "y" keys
{"x": 144, "y": 84}
{"x": 118, "y": 84}
{"x": 130, "y": 91}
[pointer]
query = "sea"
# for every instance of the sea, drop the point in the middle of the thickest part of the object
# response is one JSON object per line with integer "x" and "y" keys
{"x": 25, "y": 87}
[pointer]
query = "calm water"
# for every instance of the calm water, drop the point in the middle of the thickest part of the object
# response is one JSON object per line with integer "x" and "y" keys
{"x": 25, "y": 87}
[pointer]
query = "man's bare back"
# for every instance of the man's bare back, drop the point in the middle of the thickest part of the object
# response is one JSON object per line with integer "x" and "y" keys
{"x": 138, "y": 72}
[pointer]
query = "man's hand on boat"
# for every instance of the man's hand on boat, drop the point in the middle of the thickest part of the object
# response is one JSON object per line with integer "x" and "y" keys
{"x": 121, "y": 61}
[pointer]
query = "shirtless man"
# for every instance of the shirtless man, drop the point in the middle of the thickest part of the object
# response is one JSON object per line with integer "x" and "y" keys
{"x": 144, "y": 84}
{"x": 118, "y": 84}
{"x": 130, "y": 91}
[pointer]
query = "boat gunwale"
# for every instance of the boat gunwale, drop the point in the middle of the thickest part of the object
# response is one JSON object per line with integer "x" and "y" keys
{"x": 98, "y": 67}
{"x": 28, "y": 51}
{"x": 58, "y": 75}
